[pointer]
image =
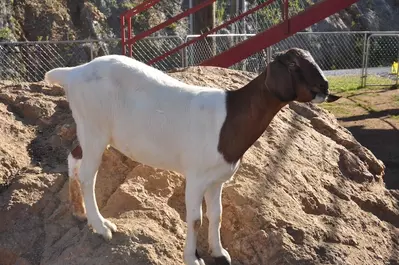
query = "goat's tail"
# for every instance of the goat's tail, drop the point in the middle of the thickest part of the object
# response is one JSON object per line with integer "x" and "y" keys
{"x": 57, "y": 76}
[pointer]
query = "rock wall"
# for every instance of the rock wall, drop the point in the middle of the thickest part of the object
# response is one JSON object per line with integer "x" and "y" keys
{"x": 372, "y": 15}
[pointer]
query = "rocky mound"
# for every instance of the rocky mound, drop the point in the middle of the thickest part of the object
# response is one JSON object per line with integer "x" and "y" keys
{"x": 306, "y": 193}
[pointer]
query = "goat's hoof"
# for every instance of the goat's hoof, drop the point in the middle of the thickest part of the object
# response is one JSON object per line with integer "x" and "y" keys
{"x": 107, "y": 234}
{"x": 110, "y": 225}
{"x": 104, "y": 229}
{"x": 224, "y": 259}
{"x": 194, "y": 260}
{"x": 199, "y": 260}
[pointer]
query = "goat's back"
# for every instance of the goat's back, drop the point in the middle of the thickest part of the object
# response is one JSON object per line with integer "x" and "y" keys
{"x": 148, "y": 115}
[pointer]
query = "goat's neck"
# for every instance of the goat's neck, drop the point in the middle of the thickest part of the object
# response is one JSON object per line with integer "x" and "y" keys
{"x": 249, "y": 112}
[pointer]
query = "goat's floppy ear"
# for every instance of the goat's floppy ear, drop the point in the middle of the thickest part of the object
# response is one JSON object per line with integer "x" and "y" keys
{"x": 279, "y": 81}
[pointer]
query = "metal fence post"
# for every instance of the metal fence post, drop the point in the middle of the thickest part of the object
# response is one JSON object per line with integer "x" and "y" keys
{"x": 367, "y": 59}
{"x": 185, "y": 54}
{"x": 362, "y": 83}
{"x": 182, "y": 52}
{"x": 397, "y": 71}
{"x": 269, "y": 54}
{"x": 91, "y": 50}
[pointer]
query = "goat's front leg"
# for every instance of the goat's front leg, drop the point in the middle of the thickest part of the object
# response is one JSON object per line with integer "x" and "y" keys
{"x": 88, "y": 172}
{"x": 194, "y": 195}
{"x": 213, "y": 199}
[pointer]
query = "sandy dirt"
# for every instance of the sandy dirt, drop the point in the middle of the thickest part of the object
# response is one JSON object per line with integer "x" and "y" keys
{"x": 306, "y": 193}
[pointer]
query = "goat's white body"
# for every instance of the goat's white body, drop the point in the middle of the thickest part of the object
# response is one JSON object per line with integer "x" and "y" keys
{"x": 153, "y": 119}
{"x": 148, "y": 116}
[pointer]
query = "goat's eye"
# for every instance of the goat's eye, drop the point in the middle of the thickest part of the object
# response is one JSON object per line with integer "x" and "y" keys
{"x": 292, "y": 65}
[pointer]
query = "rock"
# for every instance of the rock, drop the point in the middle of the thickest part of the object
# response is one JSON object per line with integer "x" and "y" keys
{"x": 306, "y": 193}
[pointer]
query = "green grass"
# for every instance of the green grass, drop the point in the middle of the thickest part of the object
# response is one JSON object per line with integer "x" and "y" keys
{"x": 350, "y": 86}
{"x": 366, "y": 107}
{"x": 337, "y": 109}
{"x": 350, "y": 83}
{"x": 5, "y": 33}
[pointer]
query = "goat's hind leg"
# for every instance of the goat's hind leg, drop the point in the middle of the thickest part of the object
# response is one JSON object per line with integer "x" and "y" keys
{"x": 213, "y": 196}
{"x": 75, "y": 192}
{"x": 91, "y": 160}
{"x": 194, "y": 195}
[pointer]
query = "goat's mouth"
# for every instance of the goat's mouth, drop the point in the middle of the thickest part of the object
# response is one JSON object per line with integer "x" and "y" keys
{"x": 319, "y": 97}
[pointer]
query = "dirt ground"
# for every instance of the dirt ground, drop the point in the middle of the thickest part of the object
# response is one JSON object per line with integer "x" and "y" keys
{"x": 372, "y": 116}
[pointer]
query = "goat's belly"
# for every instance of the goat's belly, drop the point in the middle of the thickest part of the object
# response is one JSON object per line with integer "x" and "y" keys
{"x": 151, "y": 155}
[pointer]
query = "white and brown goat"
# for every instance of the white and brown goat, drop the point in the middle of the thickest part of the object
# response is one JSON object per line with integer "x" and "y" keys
{"x": 201, "y": 132}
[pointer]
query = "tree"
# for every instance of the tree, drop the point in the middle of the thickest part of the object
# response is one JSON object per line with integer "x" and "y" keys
{"x": 203, "y": 21}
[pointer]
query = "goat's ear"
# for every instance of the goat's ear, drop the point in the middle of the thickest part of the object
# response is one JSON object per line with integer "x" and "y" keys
{"x": 279, "y": 81}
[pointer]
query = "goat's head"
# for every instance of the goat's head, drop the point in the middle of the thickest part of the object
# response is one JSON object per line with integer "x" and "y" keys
{"x": 294, "y": 75}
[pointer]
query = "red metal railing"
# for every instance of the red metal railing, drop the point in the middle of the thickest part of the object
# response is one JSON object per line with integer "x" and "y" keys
{"x": 127, "y": 16}
{"x": 130, "y": 13}
{"x": 287, "y": 27}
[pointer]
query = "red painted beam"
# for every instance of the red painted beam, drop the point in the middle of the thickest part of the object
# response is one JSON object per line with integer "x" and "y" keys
{"x": 318, "y": 12}
{"x": 170, "y": 21}
{"x": 271, "y": 36}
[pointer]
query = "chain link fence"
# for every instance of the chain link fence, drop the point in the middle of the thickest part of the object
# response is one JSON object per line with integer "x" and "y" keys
{"x": 382, "y": 50}
{"x": 337, "y": 53}
{"x": 151, "y": 47}
{"x": 331, "y": 50}
{"x": 29, "y": 61}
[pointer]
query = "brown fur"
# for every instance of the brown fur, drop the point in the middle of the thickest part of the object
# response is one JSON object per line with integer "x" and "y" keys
{"x": 77, "y": 152}
{"x": 75, "y": 192}
{"x": 76, "y": 199}
{"x": 293, "y": 75}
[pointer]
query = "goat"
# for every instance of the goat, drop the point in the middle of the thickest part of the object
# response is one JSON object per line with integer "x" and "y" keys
{"x": 155, "y": 119}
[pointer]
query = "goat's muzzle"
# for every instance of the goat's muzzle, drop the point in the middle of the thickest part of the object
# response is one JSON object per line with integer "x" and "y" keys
{"x": 321, "y": 97}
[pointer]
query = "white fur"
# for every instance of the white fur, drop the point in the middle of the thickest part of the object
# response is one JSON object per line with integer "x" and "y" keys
{"x": 153, "y": 119}
{"x": 320, "y": 98}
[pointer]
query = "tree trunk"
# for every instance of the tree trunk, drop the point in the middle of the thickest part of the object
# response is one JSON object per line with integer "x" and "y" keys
{"x": 237, "y": 8}
{"x": 203, "y": 21}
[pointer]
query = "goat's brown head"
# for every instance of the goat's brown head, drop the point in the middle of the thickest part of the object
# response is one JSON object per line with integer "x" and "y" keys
{"x": 294, "y": 75}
